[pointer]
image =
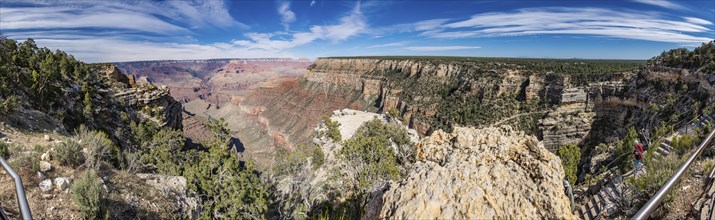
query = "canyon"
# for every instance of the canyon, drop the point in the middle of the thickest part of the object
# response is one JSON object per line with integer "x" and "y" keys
{"x": 560, "y": 102}
{"x": 282, "y": 105}
{"x": 368, "y": 137}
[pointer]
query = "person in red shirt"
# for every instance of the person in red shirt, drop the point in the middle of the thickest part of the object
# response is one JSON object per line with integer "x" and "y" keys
{"x": 638, "y": 154}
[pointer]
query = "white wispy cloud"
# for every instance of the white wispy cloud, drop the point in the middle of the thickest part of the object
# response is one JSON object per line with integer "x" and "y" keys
{"x": 441, "y": 48}
{"x": 577, "y": 21}
{"x": 661, "y": 3}
{"x": 698, "y": 21}
{"x": 61, "y": 18}
{"x": 92, "y": 49}
{"x": 287, "y": 16}
{"x": 312, "y": 3}
{"x": 350, "y": 25}
{"x": 145, "y": 16}
{"x": 394, "y": 44}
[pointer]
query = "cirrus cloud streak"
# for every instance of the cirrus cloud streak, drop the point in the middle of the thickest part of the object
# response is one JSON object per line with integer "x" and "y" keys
{"x": 575, "y": 21}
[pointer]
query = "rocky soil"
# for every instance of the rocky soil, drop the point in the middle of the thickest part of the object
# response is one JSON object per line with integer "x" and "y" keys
{"x": 48, "y": 191}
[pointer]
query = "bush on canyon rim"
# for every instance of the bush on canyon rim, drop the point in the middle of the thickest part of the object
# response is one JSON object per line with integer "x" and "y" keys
{"x": 570, "y": 158}
{"x": 370, "y": 153}
{"x": 70, "y": 153}
{"x": 332, "y": 130}
{"x": 87, "y": 194}
{"x": 624, "y": 152}
{"x": 683, "y": 143}
{"x": 4, "y": 150}
{"x": 318, "y": 157}
{"x": 229, "y": 188}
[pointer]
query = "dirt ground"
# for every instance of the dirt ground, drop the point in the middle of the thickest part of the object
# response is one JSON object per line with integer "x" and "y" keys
{"x": 690, "y": 189}
{"x": 126, "y": 196}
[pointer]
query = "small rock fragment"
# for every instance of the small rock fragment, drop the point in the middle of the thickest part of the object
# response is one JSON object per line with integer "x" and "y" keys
{"x": 46, "y": 185}
{"x": 48, "y": 138}
{"x": 45, "y": 166}
{"x": 41, "y": 176}
{"x": 62, "y": 183}
{"x": 46, "y": 156}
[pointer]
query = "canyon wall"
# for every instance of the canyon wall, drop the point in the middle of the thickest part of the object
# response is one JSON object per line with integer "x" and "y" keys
{"x": 435, "y": 93}
{"x": 217, "y": 80}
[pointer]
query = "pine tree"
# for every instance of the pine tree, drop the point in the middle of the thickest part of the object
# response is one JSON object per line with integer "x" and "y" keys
{"x": 88, "y": 108}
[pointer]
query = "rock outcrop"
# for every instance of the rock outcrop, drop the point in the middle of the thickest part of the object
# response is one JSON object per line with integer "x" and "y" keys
{"x": 174, "y": 187}
{"x": 149, "y": 101}
{"x": 490, "y": 173}
{"x": 154, "y": 103}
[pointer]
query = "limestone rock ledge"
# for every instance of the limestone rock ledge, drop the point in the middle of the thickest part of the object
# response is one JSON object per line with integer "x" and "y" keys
{"x": 489, "y": 173}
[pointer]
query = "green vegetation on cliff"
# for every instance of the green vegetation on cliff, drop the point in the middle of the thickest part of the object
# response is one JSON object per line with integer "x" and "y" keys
{"x": 444, "y": 92}
{"x": 41, "y": 89}
{"x": 369, "y": 151}
{"x": 569, "y": 66}
{"x": 700, "y": 59}
{"x": 570, "y": 158}
{"x": 332, "y": 130}
{"x": 38, "y": 76}
{"x": 87, "y": 194}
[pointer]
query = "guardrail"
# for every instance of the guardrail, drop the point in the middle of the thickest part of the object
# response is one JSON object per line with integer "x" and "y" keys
{"x": 19, "y": 190}
{"x": 654, "y": 201}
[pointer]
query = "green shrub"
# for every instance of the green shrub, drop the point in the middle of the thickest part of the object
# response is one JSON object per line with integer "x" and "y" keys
{"x": 289, "y": 162}
{"x": 98, "y": 145}
{"x": 708, "y": 166}
{"x": 229, "y": 188}
{"x": 373, "y": 159}
{"x": 389, "y": 134}
{"x": 370, "y": 153}
{"x": 393, "y": 112}
{"x": 165, "y": 151}
{"x": 683, "y": 143}
{"x": 69, "y": 153}
{"x": 570, "y": 158}
{"x": 27, "y": 163}
{"x": 8, "y": 105}
{"x": 4, "y": 152}
{"x": 332, "y": 131}
{"x": 318, "y": 157}
{"x": 657, "y": 172}
{"x": 624, "y": 152}
{"x": 87, "y": 194}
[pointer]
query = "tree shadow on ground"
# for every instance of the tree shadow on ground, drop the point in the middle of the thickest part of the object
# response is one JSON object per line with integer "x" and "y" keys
{"x": 236, "y": 145}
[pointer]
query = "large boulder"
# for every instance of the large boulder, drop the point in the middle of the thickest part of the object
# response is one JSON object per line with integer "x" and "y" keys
{"x": 490, "y": 173}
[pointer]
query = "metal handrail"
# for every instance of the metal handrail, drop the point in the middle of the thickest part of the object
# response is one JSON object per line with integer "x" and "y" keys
{"x": 654, "y": 201}
{"x": 19, "y": 190}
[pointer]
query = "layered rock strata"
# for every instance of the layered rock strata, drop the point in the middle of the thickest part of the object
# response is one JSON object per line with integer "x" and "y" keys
{"x": 479, "y": 173}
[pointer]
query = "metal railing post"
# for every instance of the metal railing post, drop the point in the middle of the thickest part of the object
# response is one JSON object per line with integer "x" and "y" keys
{"x": 654, "y": 201}
{"x": 19, "y": 190}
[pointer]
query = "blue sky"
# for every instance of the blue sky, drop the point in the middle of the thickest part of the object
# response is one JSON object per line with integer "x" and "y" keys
{"x": 106, "y": 31}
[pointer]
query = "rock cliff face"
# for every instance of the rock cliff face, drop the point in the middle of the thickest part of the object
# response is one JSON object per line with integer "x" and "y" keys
{"x": 431, "y": 94}
{"x": 216, "y": 80}
{"x": 572, "y": 119}
{"x": 479, "y": 173}
{"x": 415, "y": 91}
{"x": 604, "y": 111}
{"x": 154, "y": 103}
{"x": 147, "y": 100}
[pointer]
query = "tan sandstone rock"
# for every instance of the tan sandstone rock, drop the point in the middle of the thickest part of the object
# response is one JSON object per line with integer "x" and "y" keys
{"x": 490, "y": 173}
